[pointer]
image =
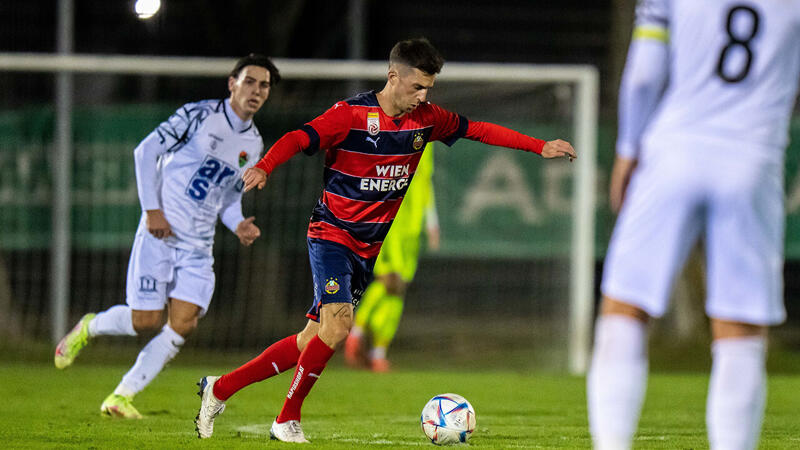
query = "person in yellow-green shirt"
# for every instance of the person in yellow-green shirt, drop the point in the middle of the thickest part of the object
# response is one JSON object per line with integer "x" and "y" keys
{"x": 379, "y": 311}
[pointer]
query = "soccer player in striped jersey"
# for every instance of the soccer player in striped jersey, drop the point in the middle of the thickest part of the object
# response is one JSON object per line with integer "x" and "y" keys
{"x": 381, "y": 307}
{"x": 704, "y": 110}
{"x": 373, "y": 143}
{"x": 188, "y": 174}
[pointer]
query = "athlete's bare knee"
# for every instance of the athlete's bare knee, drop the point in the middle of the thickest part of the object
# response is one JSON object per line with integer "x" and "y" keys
{"x": 335, "y": 323}
{"x": 184, "y": 327}
{"x": 334, "y": 334}
{"x": 611, "y": 306}
{"x": 146, "y": 321}
{"x": 724, "y": 329}
{"x": 183, "y": 316}
{"x": 308, "y": 333}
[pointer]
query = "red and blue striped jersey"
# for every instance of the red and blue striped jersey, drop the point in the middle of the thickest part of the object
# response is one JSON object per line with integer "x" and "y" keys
{"x": 370, "y": 160}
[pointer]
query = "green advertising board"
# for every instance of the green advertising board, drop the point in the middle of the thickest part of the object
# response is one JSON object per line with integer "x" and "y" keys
{"x": 497, "y": 202}
{"x": 105, "y": 206}
{"x": 492, "y": 202}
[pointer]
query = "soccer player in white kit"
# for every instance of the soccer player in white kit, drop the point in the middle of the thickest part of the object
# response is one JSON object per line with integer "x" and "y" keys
{"x": 188, "y": 173}
{"x": 704, "y": 110}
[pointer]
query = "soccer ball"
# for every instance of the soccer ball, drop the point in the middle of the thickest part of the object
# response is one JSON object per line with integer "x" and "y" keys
{"x": 448, "y": 419}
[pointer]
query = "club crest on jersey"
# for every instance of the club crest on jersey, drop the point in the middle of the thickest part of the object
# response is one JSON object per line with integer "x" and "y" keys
{"x": 331, "y": 286}
{"x": 242, "y": 158}
{"x": 418, "y": 141}
{"x": 373, "y": 123}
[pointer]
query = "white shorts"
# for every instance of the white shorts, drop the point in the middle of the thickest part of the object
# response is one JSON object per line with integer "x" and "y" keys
{"x": 157, "y": 272}
{"x": 673, "y": 198}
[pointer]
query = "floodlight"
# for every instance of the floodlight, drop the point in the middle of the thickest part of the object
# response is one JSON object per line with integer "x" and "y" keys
{"x": 146, "y": 9}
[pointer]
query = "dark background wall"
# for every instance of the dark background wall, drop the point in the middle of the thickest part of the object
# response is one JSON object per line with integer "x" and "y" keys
{"x": 521, "y": 31}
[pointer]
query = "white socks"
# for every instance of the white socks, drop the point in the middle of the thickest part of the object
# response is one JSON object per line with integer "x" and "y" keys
{"x": 377, "y": 353}
{"x": 356, "y": 331}
{"x": 115, "y": 321}
{"x": 158, "y": 352}
{"x": 736, "y": 393}
{"x": 618, "y": 376}
{"x": 616, "y": 381}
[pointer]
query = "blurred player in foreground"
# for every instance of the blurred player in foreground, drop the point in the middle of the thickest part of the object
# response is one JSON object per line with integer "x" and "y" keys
{"x": 705, "y": 103}
{"x": 188, "y": 173}
{"x": 373, "y": 143}
{"x": 381, "y": 307}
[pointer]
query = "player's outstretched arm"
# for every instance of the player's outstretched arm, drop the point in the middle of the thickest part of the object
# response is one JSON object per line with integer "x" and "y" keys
{"x": 558, "y": 149}
{"x": 247, "y": 231}
{"x": 493, "y": 134}
{"x": 254, "y": 177}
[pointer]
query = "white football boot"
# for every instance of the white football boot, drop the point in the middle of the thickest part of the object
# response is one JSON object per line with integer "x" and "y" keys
{"x": 289, "y": 431}
{"x": 210, "y": 408}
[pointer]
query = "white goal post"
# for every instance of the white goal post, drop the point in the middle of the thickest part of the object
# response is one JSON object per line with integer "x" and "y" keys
{"x": 585, "y": 79}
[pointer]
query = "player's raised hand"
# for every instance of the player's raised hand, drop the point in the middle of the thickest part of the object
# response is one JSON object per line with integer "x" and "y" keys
{"x": 559, "y": 149}
{"x": 254, "y": 177}
{"x": 247, "y": 231}
{"x": 157, "y": 224}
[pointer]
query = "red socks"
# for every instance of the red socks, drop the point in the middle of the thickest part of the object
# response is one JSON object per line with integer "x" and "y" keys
{"x": 309, "y": 367}
{"x": 277, "y": 358}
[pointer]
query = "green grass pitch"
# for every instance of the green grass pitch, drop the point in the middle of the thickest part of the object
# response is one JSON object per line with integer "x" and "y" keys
{"x": 46, "y": 408}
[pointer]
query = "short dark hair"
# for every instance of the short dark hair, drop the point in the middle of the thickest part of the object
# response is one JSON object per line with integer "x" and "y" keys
{"x": 418, "y": 53}
{"x": 254, "y": 59}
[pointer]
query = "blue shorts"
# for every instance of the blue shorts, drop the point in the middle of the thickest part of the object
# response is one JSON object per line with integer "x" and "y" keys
{"x": 340, "y": 276}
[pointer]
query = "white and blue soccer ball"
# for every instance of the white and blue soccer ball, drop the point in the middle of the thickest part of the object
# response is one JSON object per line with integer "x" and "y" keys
{"x": 448, "y": 419}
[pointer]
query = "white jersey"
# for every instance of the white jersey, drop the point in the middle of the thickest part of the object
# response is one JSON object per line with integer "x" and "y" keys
{"x": 190, "y": 167}
{"x": 738, "y": 96}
